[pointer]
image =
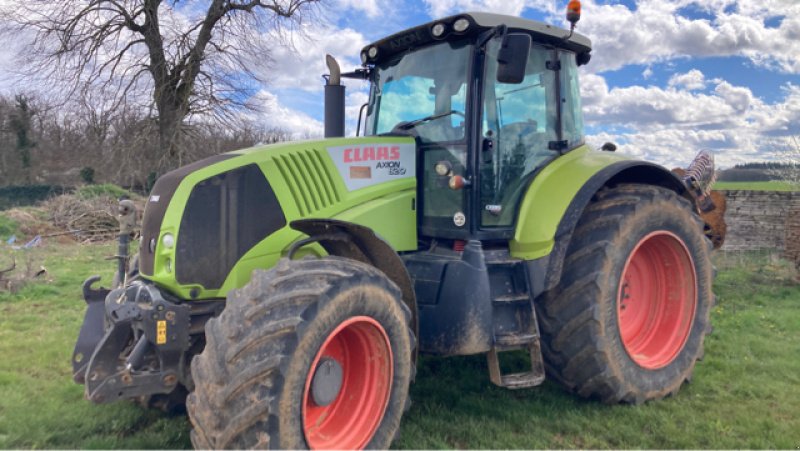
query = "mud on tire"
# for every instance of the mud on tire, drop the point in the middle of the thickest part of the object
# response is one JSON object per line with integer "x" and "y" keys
{"x": 252, "y": 379}
{"x": 632, "y": 243}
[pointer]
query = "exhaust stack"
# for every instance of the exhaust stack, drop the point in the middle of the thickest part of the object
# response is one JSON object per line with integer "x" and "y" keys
{"x": 334, "y": 100}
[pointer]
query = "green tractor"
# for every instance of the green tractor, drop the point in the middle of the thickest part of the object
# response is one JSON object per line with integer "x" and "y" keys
{"x": 283, "y": 292}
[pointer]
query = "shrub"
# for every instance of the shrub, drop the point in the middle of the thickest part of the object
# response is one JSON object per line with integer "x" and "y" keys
{"x": 87, "y": 175}
{"x": 22, "y": 195}
{"x": 104, "y": 190}
{"x": 88, "y": 219}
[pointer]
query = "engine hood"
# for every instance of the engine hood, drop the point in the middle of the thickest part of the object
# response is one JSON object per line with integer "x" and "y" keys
{"x": 228, "y": 214}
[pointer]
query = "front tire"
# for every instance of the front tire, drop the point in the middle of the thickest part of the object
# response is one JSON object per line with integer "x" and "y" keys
{"x": 627, "y": 321}
{"x": 311, "y": 354}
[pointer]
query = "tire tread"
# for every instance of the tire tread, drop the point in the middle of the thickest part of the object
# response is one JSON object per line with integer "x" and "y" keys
{"x": 241, "y": 371}
{"x": 576, "y": 352}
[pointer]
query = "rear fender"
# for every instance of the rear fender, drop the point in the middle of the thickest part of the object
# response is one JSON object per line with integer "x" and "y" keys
{"x": 556, "y": 199}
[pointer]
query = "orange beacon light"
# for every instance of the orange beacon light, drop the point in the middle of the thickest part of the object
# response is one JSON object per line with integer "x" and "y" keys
{"x": 574, "y": 12}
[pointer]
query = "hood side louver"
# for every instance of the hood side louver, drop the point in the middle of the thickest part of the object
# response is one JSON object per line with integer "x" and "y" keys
{"x": 309, "y": 180}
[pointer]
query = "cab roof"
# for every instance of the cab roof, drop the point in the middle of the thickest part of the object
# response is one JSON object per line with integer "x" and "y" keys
{"x": 479, "y": 22}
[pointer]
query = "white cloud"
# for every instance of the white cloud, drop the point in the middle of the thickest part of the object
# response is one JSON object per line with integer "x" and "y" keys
{"x": 676, "y": 148}
{"x": 656, "y": 31}
{"x": 276, "y": 115}
{"x": 300, "y": 63}
{"x": 692, "y": 80}
{"x": 371, "y": 8}
{"x": 669, "y": 125}
{"x": 654, "y": 107}
{"x": 739, "y": 98}
{"x": 439, "y": 8}
{"x": 781, "y": 119}
{"x": 593, "y": 89}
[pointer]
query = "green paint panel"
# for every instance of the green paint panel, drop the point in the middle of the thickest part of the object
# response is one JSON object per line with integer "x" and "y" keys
{"x": 549, "y": 196}
{"x": 308, "y": 184}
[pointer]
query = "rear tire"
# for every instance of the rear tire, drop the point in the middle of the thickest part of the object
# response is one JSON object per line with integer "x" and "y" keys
{"x": 256, "y": 382}
{"x": 627, "y": 321}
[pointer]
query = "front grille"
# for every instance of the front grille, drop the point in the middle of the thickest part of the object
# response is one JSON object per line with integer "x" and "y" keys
{"x": 225, "y": 216}
{"x": 309, "y": 181}
{"x": 157, "y": 204}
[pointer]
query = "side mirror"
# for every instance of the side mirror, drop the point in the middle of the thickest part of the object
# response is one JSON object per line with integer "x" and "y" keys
{"x": 609, "y": 147}
{"x": 512, "y": 58}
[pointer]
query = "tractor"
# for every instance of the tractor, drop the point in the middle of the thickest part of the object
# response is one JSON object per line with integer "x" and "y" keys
{"x": 283, "y": 293}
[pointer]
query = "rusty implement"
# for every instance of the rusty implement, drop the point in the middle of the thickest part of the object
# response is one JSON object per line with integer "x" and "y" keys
{"x": 699, "y": 177}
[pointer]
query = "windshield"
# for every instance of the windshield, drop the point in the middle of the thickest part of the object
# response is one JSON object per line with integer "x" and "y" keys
{"x": 423, "y": 92}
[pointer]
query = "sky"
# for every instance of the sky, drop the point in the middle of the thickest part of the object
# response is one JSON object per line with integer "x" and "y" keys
{"x": 667, "y": 78}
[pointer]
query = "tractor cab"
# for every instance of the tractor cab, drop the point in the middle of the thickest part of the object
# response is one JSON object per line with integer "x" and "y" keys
{"x": 489, "y": 100}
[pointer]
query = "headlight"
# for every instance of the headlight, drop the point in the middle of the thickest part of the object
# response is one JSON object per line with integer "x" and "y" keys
{"x": 443, "y": 168}
{"x": 363, "y": 57}
{"x": 168, "y": 240}
{"x": 373, "y": 52}
{"x": 438, "y": 30}
{"x": 461, "y": 25}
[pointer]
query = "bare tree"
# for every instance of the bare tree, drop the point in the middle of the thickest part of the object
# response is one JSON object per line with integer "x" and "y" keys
{"x": 118, "y": 146}
{"x": 186, "y": 58}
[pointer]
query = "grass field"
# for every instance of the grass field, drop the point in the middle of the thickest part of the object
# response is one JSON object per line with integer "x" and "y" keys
{"x": 775, "y": 185}
{"x": 744, "y": 394}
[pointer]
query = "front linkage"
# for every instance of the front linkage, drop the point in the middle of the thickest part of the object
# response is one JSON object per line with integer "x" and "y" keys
{"x": 136, "y": 340}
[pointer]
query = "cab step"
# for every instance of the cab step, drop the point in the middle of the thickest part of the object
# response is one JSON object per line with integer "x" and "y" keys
{"x": 510, "y": 298}
{"x": 514, "y": 341}
{"x": 509, "y": 342}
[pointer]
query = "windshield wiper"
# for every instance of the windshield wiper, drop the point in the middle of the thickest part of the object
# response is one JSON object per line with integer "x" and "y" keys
{"x": 415, "y": 122}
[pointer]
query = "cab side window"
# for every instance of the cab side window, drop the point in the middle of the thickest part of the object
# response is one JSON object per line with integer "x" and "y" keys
{"x": 519, "y": 121}
{"x": 571, "y": 115}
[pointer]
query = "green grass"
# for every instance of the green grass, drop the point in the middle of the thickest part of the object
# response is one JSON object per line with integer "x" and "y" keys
{"x": 744, "y": 393}
{"x": 774, "y": 185}
{"x": 8, "y": 227}
{"x": 40, "y": 406}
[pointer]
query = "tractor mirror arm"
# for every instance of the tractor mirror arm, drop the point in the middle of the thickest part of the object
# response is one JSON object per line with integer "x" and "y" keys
{"x": 499, "y": 30}
{"x": 358, "y": 74}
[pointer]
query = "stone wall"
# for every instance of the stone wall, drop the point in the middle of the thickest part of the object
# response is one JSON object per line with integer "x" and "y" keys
{"x": 792, "y": 249}
{"x": 758, "y": 219}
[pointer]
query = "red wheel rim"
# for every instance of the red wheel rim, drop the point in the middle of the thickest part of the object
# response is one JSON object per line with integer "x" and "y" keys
{"x": 657, "y": 300}
{"x": 360, "y": 345}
